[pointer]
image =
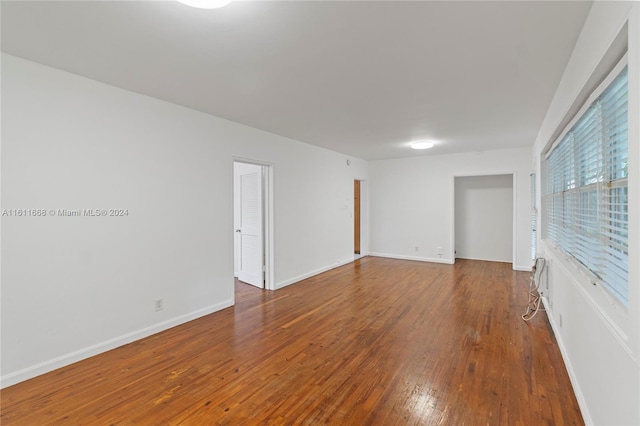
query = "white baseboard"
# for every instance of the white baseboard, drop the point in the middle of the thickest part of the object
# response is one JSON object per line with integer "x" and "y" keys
{"x": 419, "y": 259}
{"x": 79, "y": 355}
{"x": 522, "y": 268}
{"x": 582, "y": 403}
{"x": 294, "y": 280}
{"x": 514, "y": 266}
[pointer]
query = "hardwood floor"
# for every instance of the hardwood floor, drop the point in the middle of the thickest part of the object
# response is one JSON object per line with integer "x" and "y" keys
{"x": 376, "y": 342}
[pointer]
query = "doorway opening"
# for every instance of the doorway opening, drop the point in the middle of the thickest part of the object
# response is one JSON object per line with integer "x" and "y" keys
{"x": 484, "y": 218}
{"x": 360, "y": 216}
{"x": 356, "y": 218}
{"x": 253, "y": 223}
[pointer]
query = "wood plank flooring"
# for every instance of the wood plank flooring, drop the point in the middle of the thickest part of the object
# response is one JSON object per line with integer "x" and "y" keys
{"x": 376, "y": 342}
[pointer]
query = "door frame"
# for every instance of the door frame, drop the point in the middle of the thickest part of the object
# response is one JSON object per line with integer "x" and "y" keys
{"x": 514, "y": 208}
{"x": 357, "y": 217}
{"x": 267, "y": 216}
{"x": 364, "y": 214}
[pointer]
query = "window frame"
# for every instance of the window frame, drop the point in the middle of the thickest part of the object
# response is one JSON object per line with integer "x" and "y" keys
{"x": 564, "y": 189}
{"x": 534, "y": 217}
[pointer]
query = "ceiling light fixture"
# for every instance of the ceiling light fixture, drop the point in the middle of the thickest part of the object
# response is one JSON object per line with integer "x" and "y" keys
{"x": 206, "y": 4}
{"x": 422, "y": 145}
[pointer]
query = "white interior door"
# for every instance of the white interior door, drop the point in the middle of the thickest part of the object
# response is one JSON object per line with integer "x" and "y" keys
{"x": 250, "y": 227}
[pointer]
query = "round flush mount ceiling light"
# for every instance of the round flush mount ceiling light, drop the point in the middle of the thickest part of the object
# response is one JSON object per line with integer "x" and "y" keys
{"x": 422, "y": 145}
{"x": 206, "y": 4}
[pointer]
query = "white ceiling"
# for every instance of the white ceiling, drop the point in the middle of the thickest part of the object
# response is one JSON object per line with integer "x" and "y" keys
{"x": 362, "y": 78}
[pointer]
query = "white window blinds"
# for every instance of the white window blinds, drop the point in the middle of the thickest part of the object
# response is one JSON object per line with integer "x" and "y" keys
{"x": 585, "y": 204}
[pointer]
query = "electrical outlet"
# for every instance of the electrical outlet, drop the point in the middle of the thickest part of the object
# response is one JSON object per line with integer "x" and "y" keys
{"x": 439, "y": 251}
{"x": 417, "y": 248}
{"x": 159, "y": 304}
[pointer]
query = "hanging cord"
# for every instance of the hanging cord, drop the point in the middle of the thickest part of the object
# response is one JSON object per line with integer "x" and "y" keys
{"x": 534, "y": 289}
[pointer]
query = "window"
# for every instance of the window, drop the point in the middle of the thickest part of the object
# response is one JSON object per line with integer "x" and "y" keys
{"x": 584, "y": 200}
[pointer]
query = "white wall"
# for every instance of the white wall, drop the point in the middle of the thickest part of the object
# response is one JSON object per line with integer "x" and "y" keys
{"x": 599, "y": 338}
{"x": 76, "y": 286}
{"x": 412, "y": 202}
{"x": 484, "y": 218}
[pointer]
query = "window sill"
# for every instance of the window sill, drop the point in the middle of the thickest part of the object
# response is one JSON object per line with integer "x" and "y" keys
{"x": 613, "y": 313}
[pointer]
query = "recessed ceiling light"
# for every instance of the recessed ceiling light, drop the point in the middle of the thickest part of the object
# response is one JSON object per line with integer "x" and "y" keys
{"x": 422, "y": 145}
{"x": 206, "y": 4}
